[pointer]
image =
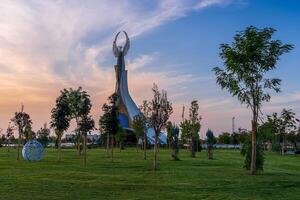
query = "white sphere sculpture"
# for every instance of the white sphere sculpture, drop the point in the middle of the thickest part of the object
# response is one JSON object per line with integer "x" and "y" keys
{"x": 33, "y": 151}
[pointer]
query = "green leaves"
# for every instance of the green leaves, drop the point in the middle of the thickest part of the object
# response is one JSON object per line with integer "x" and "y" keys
{"x": 108, "y": 122}
{"x": 139, "y": 124}
{"x": 247, "y": 60}
{"x": 72, "y": 104}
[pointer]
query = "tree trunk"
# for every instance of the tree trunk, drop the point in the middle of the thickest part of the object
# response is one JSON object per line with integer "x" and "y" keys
{"x": 78, "y": 146}
{"x": 137, "y": 145}
{"x": 84, "y": 150}
{"x": 155, "y": 164}
{"x": 107, "y": 144}
{"x": 192, "y": 146}
{"x": 253, "y": 155}
{"x": 59, "y": 147}
{"x": 145, "y": 146}
{"x": 8, "y": 144}
{"x": 283, "y": 145}
{"x": 19, "y": 144}
{"x": 112, "y": 149}
{"x": 210, "y": 155}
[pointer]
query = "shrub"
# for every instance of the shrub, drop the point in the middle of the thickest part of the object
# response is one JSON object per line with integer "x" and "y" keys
{"x": 247, "y": 150}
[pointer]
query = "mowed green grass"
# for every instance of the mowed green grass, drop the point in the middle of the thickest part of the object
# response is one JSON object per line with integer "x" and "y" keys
{"x": 131, "y": 177}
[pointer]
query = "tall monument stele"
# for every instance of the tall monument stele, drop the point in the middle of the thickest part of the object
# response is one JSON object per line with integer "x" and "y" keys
{"x": 127, "y": 108}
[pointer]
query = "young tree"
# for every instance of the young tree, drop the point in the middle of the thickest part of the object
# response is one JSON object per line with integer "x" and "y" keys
{"x": 174, "y": 141}
{"x": 160, "y": 110}
{"x": 211, "y": 140}
{"x": 283, "y": 125}
{"x": 29, "y": 134}
{"x": 247, "y": 61}
{"x": 168, "y": 129}
{"x": 185, "y": 127}
{"x": 80, "y": 106}
{"x": 22, "y": 121}
{"x": 85, "y": 125}
{"x": 108, "y": 122}
{"x": 60, "y": 117}
{"x": 139, "y": 126}
{"x": 224, "y": 138}
{"x": 121, "y": 137}
{"x": 195, "y": 125}
{"x": 246, "y": 151}
{"x": 43, "y": 135}
{"x": 9, "y": 134}
{"x": 144, "y": 108}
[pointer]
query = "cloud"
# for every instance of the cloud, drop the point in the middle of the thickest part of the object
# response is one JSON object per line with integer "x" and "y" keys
{"x": 49, "y": 45}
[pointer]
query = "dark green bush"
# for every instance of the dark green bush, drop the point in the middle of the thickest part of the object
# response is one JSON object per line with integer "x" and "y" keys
{"x": 246, "y": 151}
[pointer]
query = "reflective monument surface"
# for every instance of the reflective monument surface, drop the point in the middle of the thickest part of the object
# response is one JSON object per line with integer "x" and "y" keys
{"x": 127, "y": 107}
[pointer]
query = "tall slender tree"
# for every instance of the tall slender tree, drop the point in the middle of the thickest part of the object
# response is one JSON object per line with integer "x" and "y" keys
{"x": 109, "y": 123}
{"x": 80, "y": 106}
{"x": 60, "y": 117}
{"x": 85, "y": 125}
{"x": 160, "y": 110}
{"x": 144, "y": 108}
{"x": 174, "y": 141}
{"x": 211, "y": 140}
{"x": 139, "y": 126}
{"x": 247, "y": 61}
{"x": 195, "y": 125}
{"x": 22, "y": 121}
{"x": 9, "y": 133}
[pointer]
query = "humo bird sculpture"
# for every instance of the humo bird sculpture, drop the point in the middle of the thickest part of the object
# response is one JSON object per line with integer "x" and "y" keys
{"x": 126, "y": 106}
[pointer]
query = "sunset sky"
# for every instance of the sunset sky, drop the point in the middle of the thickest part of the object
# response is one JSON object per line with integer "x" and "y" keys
{"x": 46, "y": 46}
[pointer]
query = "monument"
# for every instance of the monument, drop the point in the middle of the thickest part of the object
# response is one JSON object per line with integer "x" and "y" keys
{"x": 126, "y": 106}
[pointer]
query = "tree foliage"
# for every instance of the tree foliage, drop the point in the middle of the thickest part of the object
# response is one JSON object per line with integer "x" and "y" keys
{"x": 174, "y": 141}
{"x": 22, "y": 121}
{"x": 210, "y": 140}
{"x": 43, "y": 135}
{"x": 160, "y": 110}
{"x": 247, "y": 61}
{"x": 108, "y": 122}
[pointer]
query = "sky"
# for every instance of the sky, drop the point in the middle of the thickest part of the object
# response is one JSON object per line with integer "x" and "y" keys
{"x": 46, "y": 46}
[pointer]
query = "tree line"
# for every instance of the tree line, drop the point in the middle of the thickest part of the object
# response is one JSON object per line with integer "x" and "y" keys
{"x": 247, "y": 63}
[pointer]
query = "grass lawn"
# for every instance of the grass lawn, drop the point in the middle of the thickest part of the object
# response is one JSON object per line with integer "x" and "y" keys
{"x": 130, "y": 177}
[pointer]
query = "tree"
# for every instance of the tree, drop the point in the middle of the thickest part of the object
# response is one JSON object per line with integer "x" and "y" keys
{"x": 80, "y": 106}
{"x": 247, "y": 61}
{"x": 267, "y": 134}
{"x": 108, "y": 122}
{"x": 139, "y": 126}
{"x": 169, "y": 129}
{"x": 121, "y": 137}
{"x": 29, "y": 134}
{"x": 224, "y": 138}
{"x": 22, "y": 121}
{"x": 195, "y": 126}
{"x": 174, "y": 141}
{"x": 185, "y": 127}
{"x": 211, "y": 140}
{"x": 60, "y": 117}
{"x": 85, "y": 125}
{"x": 160, "y": 110}
{"x": 9, "y": 134}
{"x": 43, "y": 135}
{"x": 283, "y": 125}
{"x": 246, "y": 151}
{"x": 144, "y": 109}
